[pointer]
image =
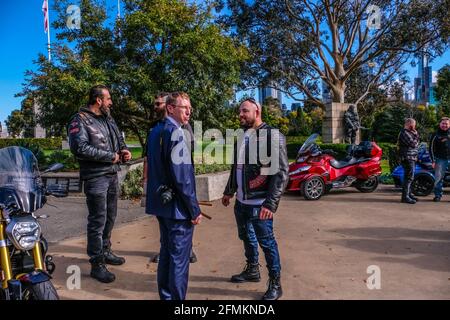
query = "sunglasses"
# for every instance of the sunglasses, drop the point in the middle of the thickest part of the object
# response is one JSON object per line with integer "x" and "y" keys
{"x": 252, "y": 101}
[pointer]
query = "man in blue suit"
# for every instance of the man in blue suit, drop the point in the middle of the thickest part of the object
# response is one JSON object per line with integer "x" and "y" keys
{"x": 171, "y": 196}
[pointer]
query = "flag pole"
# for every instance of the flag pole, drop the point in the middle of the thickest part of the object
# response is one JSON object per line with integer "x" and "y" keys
{"x": 48, "y": 31}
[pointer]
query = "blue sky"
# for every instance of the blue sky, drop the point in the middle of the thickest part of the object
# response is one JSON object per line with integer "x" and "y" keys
{"x": 22, "y": 38}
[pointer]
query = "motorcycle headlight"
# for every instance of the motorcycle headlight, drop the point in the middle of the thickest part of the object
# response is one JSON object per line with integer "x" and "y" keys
{"x": 23, "y": 232}
{"x": 299, "y": 170}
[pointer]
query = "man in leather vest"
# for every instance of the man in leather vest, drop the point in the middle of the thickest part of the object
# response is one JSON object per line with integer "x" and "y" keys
{"x": 98, "y": 145}
{"x": 258, "y": 194}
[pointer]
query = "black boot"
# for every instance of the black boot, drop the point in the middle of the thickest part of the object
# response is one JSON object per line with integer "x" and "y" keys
{"x": 413, "y": 197}
{"x": 111, "y": 258}
{"x": 193, "y": 257}
{"x": 250, "y": 273}
{"x": 274, "y": 291}
{"x": 405, "y": 194}
{"x": 99, "y": 271}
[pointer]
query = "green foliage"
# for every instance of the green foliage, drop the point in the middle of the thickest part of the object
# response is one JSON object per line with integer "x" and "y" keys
{"x": 391, "y": 118}
{"x": 158, "y": 45}
{"x": 211, "y": 168}
{"x": 66, "y": 158}
{"x": 132, "y": 187}
{"x": 22, "y": 121}
{"x": 43, "y": 143}
{"x": 442, "y": 91}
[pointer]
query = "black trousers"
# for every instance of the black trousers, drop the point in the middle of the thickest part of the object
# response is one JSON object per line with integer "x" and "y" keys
{"x": 408, "y": 167}
{"x": 101, "y": 197}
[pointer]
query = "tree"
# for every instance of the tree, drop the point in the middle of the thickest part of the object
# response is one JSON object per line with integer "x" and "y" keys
{"x": 15, "y": 123}
{"x": 442, "y": 91}
{"x": 391, "y": 118}
{"x": 21, "y": 122}
{"x": 296, "y": 44}
{"x": 158, "y": 45}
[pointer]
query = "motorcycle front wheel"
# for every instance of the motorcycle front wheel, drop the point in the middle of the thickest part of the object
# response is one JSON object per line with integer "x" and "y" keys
{"x": 313, "y": 188}
{"x": 40, "y": 291}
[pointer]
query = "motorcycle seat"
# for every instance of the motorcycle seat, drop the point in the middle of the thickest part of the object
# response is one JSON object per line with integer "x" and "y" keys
{"x": 345, "y": 163}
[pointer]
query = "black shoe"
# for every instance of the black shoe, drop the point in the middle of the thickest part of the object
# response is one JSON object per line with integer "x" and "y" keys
{"x": 155, "y": 259}
{"x": 408, "y": 200}
{"x": 193, "y": 257}
{"x": 437, "y": 199}
{"x": 111, "y": 258}
{"x": 274, "y": 291}
{"x": 99, "y": 272}
{"x": 414, "y": 198}
{"x": 250, "y": 273}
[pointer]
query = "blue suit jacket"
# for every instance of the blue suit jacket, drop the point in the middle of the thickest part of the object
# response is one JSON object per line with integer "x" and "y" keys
{"x": 170, "y": 169}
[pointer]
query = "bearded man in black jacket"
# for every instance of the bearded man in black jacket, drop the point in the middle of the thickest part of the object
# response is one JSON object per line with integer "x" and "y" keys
{"x": 99, "y": 147}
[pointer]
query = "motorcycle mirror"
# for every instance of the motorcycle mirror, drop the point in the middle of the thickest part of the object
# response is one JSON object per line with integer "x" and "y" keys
{"x": 54, "y": 167}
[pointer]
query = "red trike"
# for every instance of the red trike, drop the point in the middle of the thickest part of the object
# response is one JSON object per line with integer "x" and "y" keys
{"x": 316, "y": 171}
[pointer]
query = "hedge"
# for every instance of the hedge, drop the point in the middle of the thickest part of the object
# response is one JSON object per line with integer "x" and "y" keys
{"x": 42, "y": 143}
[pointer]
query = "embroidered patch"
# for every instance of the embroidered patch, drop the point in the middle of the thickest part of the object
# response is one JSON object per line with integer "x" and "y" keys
{"x": 74, "y": 130}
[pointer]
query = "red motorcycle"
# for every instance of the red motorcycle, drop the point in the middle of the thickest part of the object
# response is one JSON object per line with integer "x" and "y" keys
{"x": 316, "y": 171}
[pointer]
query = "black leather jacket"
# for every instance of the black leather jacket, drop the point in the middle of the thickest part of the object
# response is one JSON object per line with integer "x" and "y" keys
{"x": 256, "y": 184}
{"x": 440, "y": 145}
{"x": 95, "y": 140}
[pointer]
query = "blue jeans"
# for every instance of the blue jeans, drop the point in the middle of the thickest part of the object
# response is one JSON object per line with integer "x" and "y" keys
{"x": 253, "y": 231}
{"x": 441, "y": 166}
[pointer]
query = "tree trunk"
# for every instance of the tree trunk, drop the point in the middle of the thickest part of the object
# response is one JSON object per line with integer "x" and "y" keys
{"x": 339, "y": 93}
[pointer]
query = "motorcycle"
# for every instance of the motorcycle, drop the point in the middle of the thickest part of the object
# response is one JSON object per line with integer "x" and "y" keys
{"x": 25, "y": 267}
{"x": 423, "y": 182}
{"x": 316, "y": 171}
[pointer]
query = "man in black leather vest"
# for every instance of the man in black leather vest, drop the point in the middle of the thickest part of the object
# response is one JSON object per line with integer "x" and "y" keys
{"x": 99, "y": 147}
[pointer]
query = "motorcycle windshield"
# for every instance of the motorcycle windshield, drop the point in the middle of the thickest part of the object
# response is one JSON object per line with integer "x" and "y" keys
{"x": 308, "y": 143}
{"x": 20, "y": 181}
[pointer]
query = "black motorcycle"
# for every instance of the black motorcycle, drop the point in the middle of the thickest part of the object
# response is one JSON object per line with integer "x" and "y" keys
{"x": 25, "y": 267}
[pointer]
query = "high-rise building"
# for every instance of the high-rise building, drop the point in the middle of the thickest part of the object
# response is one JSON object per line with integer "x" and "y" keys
{"x": 265, "y": 92}
{"x": 295, "y": 106}
{"x": 423, "y": 84}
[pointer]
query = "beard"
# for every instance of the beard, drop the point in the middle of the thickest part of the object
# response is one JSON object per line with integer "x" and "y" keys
{"x": 106, "y": 111}
{"x": 247, "y": 124}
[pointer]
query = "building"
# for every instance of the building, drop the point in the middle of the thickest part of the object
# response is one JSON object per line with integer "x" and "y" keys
{"x": 423, "y": 84}
{"x": 266, "y": 92}
{"x": 3, "y": 130}
{"x": 295, "y": 106}
{"x": 39, "y": 132}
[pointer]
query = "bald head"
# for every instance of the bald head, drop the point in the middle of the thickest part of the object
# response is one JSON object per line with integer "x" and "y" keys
{"x": 250, "y": 114}
{"x": 410, "y": 124}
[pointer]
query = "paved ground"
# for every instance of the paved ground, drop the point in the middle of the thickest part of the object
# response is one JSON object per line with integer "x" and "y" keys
{"x": 326, "y": 247}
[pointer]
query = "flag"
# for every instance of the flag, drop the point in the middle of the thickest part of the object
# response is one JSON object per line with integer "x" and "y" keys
{"x": 45, "y": 11}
